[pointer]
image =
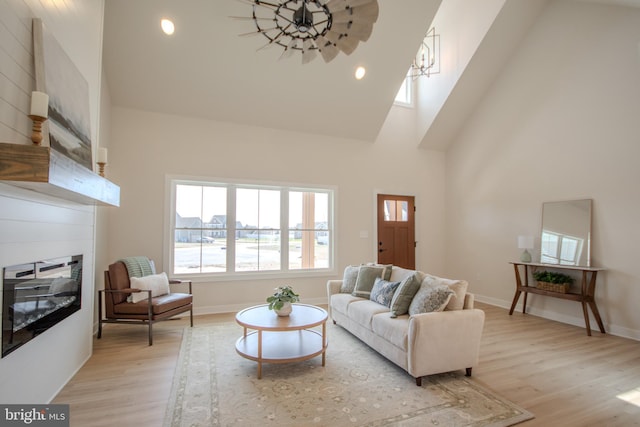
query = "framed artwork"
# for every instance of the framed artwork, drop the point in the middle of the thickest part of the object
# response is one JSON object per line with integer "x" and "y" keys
{"x": 69, "y": 123}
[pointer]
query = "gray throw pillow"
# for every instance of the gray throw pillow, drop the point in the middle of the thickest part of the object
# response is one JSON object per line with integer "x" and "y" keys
{"x": 366, "y": 278}
{"x": 429, "y": 299}
{"x": 383, "y": 291}
{"x": 387, "y": 269}
{"x": 404, "y": 295}
{"x": 349, "y": 279}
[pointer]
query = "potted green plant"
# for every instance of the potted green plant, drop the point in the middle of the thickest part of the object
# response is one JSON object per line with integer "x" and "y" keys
{"x": 282, "y": 299}
{"x": 553, "y": 281}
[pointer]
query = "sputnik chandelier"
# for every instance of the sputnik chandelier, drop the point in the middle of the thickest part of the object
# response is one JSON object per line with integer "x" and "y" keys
{"x": 327, "y": 27}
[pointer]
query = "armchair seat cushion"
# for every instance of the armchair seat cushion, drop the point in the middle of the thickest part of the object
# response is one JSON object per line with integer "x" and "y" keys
{"x": 159, "y": 305}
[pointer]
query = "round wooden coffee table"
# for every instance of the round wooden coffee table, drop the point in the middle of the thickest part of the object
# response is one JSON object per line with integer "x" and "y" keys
{"x": 278, "y": 339}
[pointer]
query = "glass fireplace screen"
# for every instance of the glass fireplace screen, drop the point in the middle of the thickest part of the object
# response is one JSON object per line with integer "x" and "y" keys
{"x": 36, "y": 296}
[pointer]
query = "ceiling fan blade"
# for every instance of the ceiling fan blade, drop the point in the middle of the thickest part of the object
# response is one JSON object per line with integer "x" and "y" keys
{"x": 356, "y": 3}
{"x": 308, "y": 53}
{"x": 264, "y": 4}
{"x": 253, "y": 33}
{"x": 361, "y": 31}
{"x": 366, "y": 13}
{"x": 336, "y": 5}
{"x": 250, "y": 18}
{"x": 327, "y": 49}
{"x": 288, "y": 52}
{"x": 345, "y": 43}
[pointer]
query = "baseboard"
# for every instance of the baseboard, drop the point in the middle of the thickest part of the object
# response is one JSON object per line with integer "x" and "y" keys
{"x": 611, "y": 329}
{"x": 234, "y": 308}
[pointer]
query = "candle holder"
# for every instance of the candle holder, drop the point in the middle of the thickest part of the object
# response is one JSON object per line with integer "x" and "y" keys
{"x": 36, "y": 134}
{"x": 101, "y": 168}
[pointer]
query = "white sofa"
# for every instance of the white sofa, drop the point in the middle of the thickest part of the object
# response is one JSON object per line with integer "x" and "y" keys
{"x": 422, "y": 344}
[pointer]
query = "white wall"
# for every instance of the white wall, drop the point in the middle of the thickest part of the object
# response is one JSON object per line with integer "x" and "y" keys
{"x": 34, "y": 226}
{"x": 145, "y": 147}
{"x": 560, "y": 123}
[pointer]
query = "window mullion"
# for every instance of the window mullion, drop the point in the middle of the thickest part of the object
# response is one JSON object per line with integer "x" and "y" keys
{"x": 231, "y": 228}
{"x": 284, "y": 229}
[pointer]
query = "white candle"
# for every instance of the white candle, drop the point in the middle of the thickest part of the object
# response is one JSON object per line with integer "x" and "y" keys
{"x": 102, "y": 155}
{"x": 39, "y": 104}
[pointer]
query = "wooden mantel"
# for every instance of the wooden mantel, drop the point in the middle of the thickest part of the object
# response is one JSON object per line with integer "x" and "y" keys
{"x": 46, "y": 171}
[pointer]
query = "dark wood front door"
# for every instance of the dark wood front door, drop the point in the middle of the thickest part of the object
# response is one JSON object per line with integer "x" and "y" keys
{"x": 396, "y": 230}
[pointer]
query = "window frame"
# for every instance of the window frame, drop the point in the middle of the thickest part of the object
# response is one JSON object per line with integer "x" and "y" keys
{"x": 171, "y": 183}
{"x": 408, "y": 83}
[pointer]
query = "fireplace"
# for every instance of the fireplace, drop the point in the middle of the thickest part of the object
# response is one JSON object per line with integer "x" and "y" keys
{"x": 36, "y": 296}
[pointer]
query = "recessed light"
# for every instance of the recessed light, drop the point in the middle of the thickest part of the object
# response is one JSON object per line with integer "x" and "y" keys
{"x": 167, "y": 26}
{"x": 360, "y": 72}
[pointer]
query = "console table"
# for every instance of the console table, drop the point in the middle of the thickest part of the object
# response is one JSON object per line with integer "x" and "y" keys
{"x": 585, "y": 296}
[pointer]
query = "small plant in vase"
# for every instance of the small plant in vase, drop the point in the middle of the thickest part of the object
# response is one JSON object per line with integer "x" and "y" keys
{"x": 282, "y": 299}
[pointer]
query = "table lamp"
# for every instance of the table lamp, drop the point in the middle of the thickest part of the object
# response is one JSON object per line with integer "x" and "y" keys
{"x": 526, "y": 243}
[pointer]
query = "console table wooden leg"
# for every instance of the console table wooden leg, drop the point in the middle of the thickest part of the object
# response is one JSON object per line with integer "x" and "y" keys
{"x": 596, "y": 314}
{"x": 515, "y": 301}
{"x": 591, "y": 290}
{"x": 518, "y": 291}
{"x": 586, "y": 317}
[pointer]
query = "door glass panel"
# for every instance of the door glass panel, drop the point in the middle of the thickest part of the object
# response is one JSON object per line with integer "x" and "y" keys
{"x": 396, "y": 210}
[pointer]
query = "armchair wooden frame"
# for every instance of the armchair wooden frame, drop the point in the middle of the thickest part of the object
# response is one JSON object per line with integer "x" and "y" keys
{"x": 147, "y": 312}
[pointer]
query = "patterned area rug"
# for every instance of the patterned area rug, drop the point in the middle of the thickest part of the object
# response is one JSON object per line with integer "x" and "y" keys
{"x": 214, "y": 386}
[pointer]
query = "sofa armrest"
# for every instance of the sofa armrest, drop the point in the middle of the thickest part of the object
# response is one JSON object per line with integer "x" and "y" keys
{"x": 333, "y": 287}
{"x": 469, "y": 300}
{"x": 444, "y": 341}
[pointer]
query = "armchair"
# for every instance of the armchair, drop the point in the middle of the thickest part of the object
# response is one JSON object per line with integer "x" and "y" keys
{"x": 117, "y": 288}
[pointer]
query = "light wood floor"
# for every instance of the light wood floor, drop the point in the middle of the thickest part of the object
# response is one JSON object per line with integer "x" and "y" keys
{"x": 553, "y": 370}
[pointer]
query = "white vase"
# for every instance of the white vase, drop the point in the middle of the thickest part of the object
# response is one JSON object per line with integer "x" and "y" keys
{"x": 285, "y": 310}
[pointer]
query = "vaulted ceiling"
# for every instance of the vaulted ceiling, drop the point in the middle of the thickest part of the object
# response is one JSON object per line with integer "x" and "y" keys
{"x": 206, "y": 70}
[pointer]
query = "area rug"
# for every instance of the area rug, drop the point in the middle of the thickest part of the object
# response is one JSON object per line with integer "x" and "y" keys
{"x": 214, "y": 386}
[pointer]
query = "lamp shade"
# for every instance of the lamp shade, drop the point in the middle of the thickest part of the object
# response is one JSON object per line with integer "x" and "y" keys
{"x": 525, "y": 242}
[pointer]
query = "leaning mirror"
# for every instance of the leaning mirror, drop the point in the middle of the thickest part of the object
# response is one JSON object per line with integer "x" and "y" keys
{"x": 566, "y": 233}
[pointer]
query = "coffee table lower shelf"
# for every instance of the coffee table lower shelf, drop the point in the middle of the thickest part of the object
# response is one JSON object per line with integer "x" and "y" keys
{"x": 281, "y": 346}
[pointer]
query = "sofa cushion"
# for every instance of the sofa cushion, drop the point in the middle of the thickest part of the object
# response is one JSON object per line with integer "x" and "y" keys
{"x": 340, "y": 302}
{"x": 383, "y": 291}
{"x": 349, "y": 279}
{"x": 395, "y": 330}
{"x": 404, "y": 295}
{"x": 362, "y": 312}
{"x": 366, "y": 278}
{"x": 459, "y": 287}
{"x": 430, "y": 298}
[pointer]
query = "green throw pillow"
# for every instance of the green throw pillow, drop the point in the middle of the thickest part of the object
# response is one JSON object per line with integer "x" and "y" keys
{"x": 404, "y": 295}
{"x": 383, "y": 291}
{"x": 366, "y": 278}
{"x": 349, "y": 279}
{"x": 429, "y": 299}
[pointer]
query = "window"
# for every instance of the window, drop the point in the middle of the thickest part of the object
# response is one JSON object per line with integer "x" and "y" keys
{"x": 237, "y": 228}
{"x": 403, "y": 97}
